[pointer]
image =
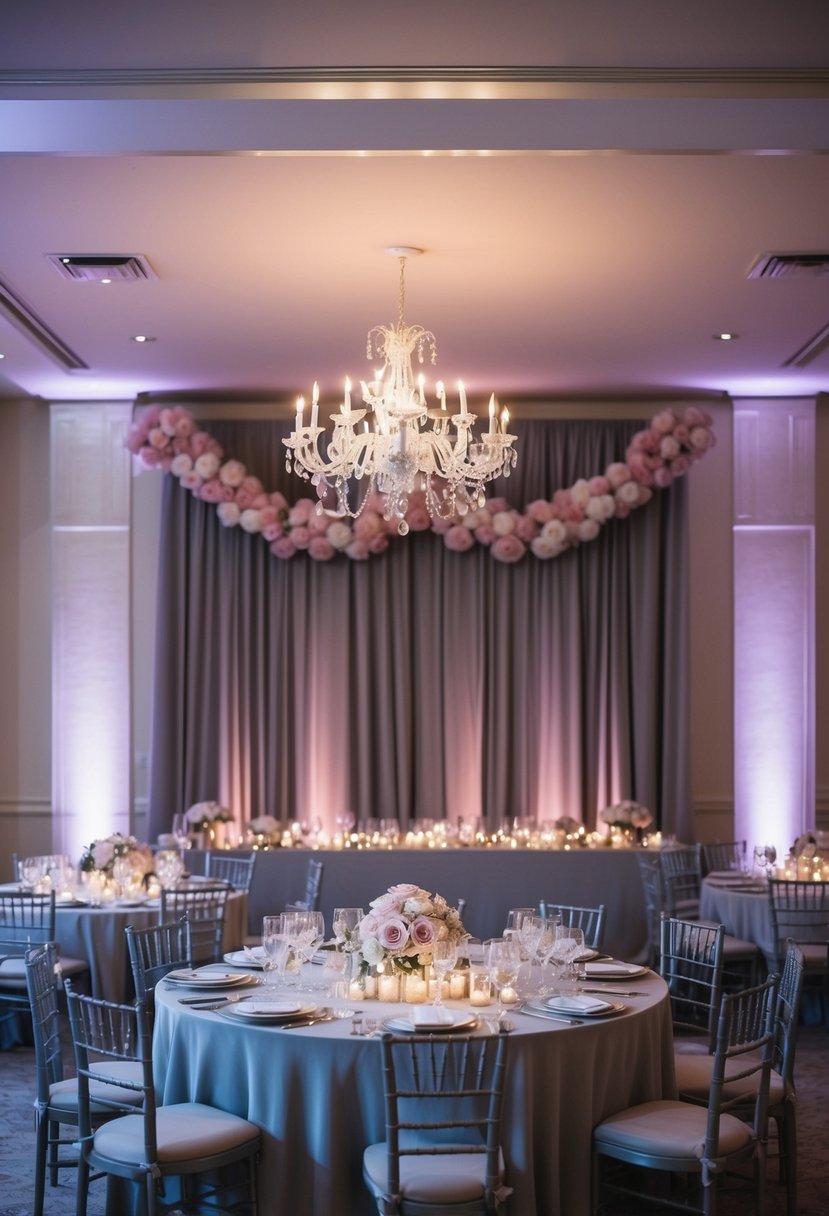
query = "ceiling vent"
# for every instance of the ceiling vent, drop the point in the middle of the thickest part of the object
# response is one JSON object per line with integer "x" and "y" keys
{"x": 789, "y": 265}
{"x": 102, "y": 267}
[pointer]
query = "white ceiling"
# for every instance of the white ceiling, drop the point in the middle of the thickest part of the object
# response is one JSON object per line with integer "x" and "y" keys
{"x": 600, "y": 178}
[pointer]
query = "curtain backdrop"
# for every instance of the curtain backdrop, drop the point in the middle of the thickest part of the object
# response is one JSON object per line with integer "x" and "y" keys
{"x": 422, "y": 682}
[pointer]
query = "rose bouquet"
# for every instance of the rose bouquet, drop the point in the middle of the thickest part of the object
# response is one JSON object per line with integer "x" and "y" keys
{"x": 627, "y": 814}
{"x": 102, "y": 855}
{"x": 202, "y": 815}
{"x": 402, "y": 926}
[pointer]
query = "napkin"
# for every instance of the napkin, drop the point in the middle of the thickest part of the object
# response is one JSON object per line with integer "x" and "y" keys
{"x": 428, "y": 1015}
{"x": 612, "y": 967}
{"x": 271, "y": 1007}
{"x": 577, "y": 1004}
{"x": 254, "y": 954}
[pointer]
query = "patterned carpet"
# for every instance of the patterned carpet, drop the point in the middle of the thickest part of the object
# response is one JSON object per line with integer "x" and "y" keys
{"x": 17, "y": 1144}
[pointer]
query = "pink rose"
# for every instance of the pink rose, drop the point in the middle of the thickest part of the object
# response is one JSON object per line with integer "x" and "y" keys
{"x": 701, "y": 439}
{"x": 191, "y": 481}
{"x": 232, "y": 473}
{"x": 669, "y": 448}
{"x": 422, "y": 931}
{"x": 283, "y": 547}
{"x": 401, "y": 891}
{"x": 418, "y": 519}
{"x": 664, "y": 422}
{"x": 150, "y": 457}
{"x": 598, "y": 485}
{"x": 301, "y": 537}
{"x": 211, "y": 491}
{"x": 167, "y": 422}
{"x": 358, "y": 549}
{"x": 526, "y": 528}
{"x": 441, "y": 526}
{"x": 663, "y": 478}
{"x": 318, "y": 524}
{"x": 379, "y": 544}
{"x": 157, "y": 438}
{"x": 508, "y": 548}
{"x": 681, "y": 465}
{"x": 485, "y": 534}
{"x": 320, "y": 549}
{"x": 588, "y": 530}
{"x": 274, "y": 530}
{"x": 540, "y": 510}
{"x": 267, "y": 515}
{"x": 369, "y": 524}
{"x": 562, "y": 499}
{"x": 278, "y": 500}
{"x": 494, "y": 505}
{"x": 695, "y": 417}
{"x": 135, "y": 440}
{"x": 393, "y": 933}
{"x": 301, "y": 512}
{"x": 617, "y": 474}
{"x": 458, "y": 539}
{"x": 185, "y": 425}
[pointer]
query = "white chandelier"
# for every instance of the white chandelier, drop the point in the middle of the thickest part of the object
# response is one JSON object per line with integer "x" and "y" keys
{"x": 402, "y": 446}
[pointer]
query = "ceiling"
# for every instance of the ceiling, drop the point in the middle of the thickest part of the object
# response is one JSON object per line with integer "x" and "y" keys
{"x": 591, "y": 181}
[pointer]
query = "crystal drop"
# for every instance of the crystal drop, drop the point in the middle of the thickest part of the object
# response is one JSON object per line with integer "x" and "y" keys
{"x": 462, "y": 508}
{"x": 315, "y": 480}
{"x": 403, "y": 528}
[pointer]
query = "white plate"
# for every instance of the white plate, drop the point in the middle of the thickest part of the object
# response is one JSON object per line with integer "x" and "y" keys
{"x": 552, "y": 1006}
{"x": 207, "y": 979}
{"x": 461, "y": 1020}
{"x": 612, "y": 969}
{"x": 72, "y": 901}
{"x": 130, "y": 903}
{"x": 585, "y": 955}
{"x": 271, "y": 1011}
{"x": 238, "y": 958}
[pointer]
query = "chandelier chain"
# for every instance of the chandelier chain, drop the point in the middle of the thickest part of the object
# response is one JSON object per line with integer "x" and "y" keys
{"x": 402, "y": 292}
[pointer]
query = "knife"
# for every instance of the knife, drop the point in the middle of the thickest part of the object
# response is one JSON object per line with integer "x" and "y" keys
{"x": 612, "y": 992}
{"x": 210, "y": 1002}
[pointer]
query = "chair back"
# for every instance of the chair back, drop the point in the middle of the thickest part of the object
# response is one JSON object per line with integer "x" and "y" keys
{"x": 681, "y": 880}
{"x": 237, "y": 871}
{"x": 310, "y": 901}
{"x": 591, "y": 920}
{"x": 798, "y": 909}
{"x": 745, "y": 1037}
{"x": 787, "y": 1014}
{"x": 104, "y": 1034}
{"x": 650, "y": 873}
{"x": 723, "y": 855}
{"x": 26, "y": 919}
{"x": 204, "y": 906}
{"x": 443, "y": 1096}
{"x": 691, "y": 964}
{"x": 42, "y": 988}
{"x": 155, "y": 951}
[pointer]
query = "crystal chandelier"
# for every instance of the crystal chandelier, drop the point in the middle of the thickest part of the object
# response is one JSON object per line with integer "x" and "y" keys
{"x": 397, "y": 445}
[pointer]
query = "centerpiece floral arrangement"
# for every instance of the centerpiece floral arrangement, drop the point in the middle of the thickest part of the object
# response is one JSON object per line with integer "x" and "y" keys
{"x": 627, "y": 814}
{"x": 402, "y": 926}
{"x": 202, "y": 815}
{"x": 101, "y": 855}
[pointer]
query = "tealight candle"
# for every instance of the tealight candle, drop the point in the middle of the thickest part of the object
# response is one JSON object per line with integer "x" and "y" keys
{"x": 388, "y": 987}
{"x": 416, "y": 990}
{"x": 508, "y": 996}
{"x": 480, "y": 988}
{"x": 444, "y": 989}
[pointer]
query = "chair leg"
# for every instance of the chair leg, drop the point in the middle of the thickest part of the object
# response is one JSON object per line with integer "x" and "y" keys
{"x": 82, "y": 1191}
{"x": 42, "y": 1132}
{"x": 787, "y": 1136}
{"x": 54, "y": 1151}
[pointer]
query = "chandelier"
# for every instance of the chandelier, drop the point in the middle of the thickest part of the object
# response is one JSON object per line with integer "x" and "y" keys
{"x": 397, "y": 445}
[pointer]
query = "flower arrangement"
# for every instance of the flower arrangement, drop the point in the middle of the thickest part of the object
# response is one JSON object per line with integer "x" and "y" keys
{"x": 627, "y": 814}
{"x": 201, "y": 815}
{"x": 169, "y": 440}
{"x": 101, "y": 855}
{"x": 266, "y": 826}
{"x": 403, "y": 924}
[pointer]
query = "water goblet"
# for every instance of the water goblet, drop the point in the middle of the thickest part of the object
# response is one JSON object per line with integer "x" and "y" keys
{"x": 569, "y": 945}
{"x": 444, "y": 957}
{"x": 275, "y": 947}
{"x": 345, "y": 925}
{"x": 504, "y": 959}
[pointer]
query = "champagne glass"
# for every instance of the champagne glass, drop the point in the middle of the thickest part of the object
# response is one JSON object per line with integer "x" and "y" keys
{"x": 504, "y": 959}
{"x": 181, "y": 832}
{"x": 346, "y": 935}
{"x": 444, "y": 957}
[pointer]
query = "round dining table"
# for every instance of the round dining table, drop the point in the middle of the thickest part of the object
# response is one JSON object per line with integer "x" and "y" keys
{"x": 317, "y": 1093}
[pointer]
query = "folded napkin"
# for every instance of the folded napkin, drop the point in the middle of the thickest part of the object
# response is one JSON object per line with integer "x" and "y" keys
{"x": 271, "y": 1007}
{"x": 577, "y": 1004}
{"x": 254, "y": 954}
{"x": 612, "y": 967}
{"x": 428, "y": 1015}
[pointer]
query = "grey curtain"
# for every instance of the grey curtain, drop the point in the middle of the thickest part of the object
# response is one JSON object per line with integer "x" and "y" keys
{"x": 424, "y": 683}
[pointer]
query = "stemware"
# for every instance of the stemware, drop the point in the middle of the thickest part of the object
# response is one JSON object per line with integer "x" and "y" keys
{"x": 504, "y": 960}
{"x": 276, "y": 948}
{"x": 567, "y": 946}
{"x": 444, "y": 957}
{"x": 344, "y": 924}
{"x": 181, "y": 832}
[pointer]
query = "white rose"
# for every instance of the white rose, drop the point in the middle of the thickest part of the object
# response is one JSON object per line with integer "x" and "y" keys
{"x": 251, "y": 520}
{"x": 372, "y": 951}
{"x": 228, "y": 514}
{"x": 207, "y": 465}
{"x": 181, "y": 464}
{"x": 338, "y": 534}
{"x": 503, "y": 522}
{"x": 554, "y": 531}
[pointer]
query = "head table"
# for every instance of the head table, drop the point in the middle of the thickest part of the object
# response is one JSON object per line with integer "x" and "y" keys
{"x": 490, "y": 880}
{"x": 316, "y": 1092}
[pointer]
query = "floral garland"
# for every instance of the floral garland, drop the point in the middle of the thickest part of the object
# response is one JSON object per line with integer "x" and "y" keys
{"x": 168, "y": 439}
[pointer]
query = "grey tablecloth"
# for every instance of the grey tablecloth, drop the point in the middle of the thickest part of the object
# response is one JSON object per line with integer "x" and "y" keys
{"x": 317, "y": 1095}
{"x": 97, "y": 935}
{"x": 490, "y": 880}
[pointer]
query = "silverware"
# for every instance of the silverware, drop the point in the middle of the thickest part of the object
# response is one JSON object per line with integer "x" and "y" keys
{"x": 552, "y": 1017}
{"x": 206, "y": 1006}
{"x": 324, "y": 1015}
{"x": 613, "y": 992}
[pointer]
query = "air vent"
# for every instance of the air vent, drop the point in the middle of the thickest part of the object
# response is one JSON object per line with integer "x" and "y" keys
{"x": 789, "y": 265}
{"x": 100, "y": 267}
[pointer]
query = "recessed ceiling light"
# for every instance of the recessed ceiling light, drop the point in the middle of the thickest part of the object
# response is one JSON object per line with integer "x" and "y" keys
{"x": 104, "y": 281}
{"x": 724, "y": 337}
{"x": 142, "y": 338}
{"x": 2, "y": 356}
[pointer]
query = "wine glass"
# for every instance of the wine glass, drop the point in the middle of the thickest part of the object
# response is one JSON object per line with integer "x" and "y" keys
{"x": 444, "y": 957}
{"x": 568, "y": 945}
{"x": 504, "y": 959}
{"x": 181, "y": 832}
{"x": 275, "y": 946}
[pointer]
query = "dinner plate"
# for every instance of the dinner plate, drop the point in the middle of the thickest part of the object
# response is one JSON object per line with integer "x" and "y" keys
{"x": 130, "y": 903}
{"x": 461, "y": 1020}
{"x": 270, "y": 1011}
{"x": 613, "y": 969}
{"x": 208, "y": 979}
{"x": 241, "y": 958}
{"x": 553, "y": 1007}
{"x": 584, "y": 956}
{"x": 71, "y": 901}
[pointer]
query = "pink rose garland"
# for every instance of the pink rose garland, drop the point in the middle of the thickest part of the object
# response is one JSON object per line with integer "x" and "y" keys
{"x": 169, "y": 439}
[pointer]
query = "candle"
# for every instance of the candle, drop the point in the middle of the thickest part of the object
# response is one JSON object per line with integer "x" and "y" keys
{"x": 457, "y": 985}
{"x": 492, "y": 414}
{"x": 388, "y": 987}
{"x": 504, "y": 420}
{"x": 508, "y": 996}
{"x": 480, "y": 988}
{"x": 315, "y": 397}
{"x": 416, "y": 990}
{"x": 347, "y": 401}
{"x": 300, "y": 406}
{"x": 462, "y": 393}
{"x": 441, "y": 392}
{"x": 480, "y": 997}
{"x": 444, "y": 989}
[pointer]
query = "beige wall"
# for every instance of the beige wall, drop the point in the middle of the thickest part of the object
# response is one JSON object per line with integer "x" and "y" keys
{"x": 25, "y": 775}
{"x": 25, "y": 660}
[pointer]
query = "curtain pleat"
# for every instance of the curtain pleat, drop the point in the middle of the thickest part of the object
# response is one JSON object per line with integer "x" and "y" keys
{"x": 422, "y": 682}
